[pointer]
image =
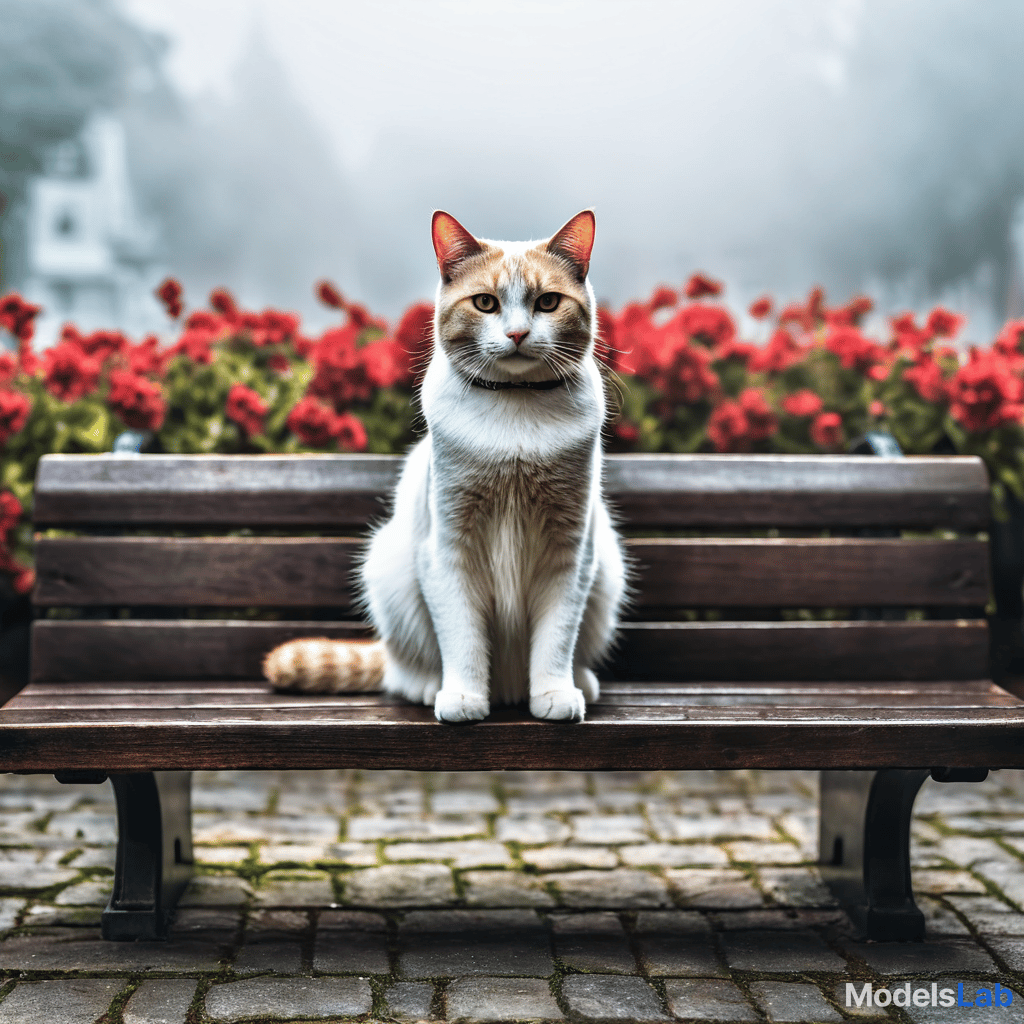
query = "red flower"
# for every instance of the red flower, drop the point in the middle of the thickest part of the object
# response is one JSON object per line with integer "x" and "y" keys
{"x": 224, "y": 302}
{"x": 22, "y": 577}
{"x": 271, "y": 327}
{"x": 728, "y": 428}
{"x": 851, "y": 314}
{"x": 906, "y": 335}
{"x": 802, "y": 403}
{"x": 146, "y": 357}
{"x": 278, "y": 363}
{"x": 684, "y": 373}
{"x": 761, "y": 308}
{"x": 944, "y": 324}
{"x": 635, "y": 340}
{"x": 761, "y": 421}
{"x": 14, "y": 410}
{"x": 855, "y": 351}
{"x": 351, "y": 433}
{"x": 382, "y": 363}
{"x": 700, "y": 285}
{"x": 30, "y": 362}
{"x": 827, "y": 430}
{"x": 10, "y": 513}
{"x": 712, "y": 324}
{"x": 359, "y": 316}
{"x": 414, "y": 339}
{"x": 169, "y": 293}
{"x": 781, "y": 352}
{"x": 662, "y": 297}
{"x": 246, "y": 408}
{"x": 878, "y": 408}
{"x": 1008, "y": 343}
{"x": 926, "y": 377}
{"x": 17, "y": 316}
{"x": 202, "y": 329}
{"x": 340, "y": 374}
{"x": 626, "y": 431}
{"x": 139, "y": 401}
{"x": 101, "y": 345}
{"x": 329, "y": 295}
{"x": 70, "y": 374}
{"x": 985, "y": 394}
{"x": 8, "y": 367}
{"x": 314, "y": 423}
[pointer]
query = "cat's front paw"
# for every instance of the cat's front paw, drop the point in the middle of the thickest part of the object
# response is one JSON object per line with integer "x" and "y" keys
{"x": 559, "y": 705}
{"x": 459, "y": 706}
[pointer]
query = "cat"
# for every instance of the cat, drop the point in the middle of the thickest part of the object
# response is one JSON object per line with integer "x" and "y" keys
{"x": 499, "y": 576}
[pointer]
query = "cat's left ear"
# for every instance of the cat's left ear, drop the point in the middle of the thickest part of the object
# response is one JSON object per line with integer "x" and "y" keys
{"x": 574, "y": 241}
{"x": 452, "y": 243}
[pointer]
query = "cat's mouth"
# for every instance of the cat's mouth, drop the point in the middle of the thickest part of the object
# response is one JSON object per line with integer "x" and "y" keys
{"x": 517, "y": 362}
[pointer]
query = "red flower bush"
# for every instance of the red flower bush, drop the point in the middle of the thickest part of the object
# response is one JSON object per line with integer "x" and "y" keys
{"x": 246, "y": 408}
{"x": 139, "y": 401}
{"x": 985, "y": 394}
{"x": 68, "y": 372}
{"x": 781, "y": 352}
{"x": 927, "y": 379}
{"x": 10, "y": 513}
{"x": 855, "y": 351}
{"x": 18, "y": 316}
{"x": 728, "y": 427}
{"x": 944, "y": 324}
{"x": 14, "y": 410}
{"x": 314, "y": 423}
{"x": 351, "y": 433}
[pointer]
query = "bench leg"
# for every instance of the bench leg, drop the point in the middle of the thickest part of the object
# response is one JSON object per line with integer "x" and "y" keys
{"x": 154, "y": 853}
{"x": 865, "y": 849}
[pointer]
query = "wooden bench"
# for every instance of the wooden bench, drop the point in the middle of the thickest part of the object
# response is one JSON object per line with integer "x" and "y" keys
{"x": 154, "y": 612}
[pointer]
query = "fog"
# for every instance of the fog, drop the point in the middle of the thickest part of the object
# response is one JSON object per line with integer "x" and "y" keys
{"x": 860, "y": 144}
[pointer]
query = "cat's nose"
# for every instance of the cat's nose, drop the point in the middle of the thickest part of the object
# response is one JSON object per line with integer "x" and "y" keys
{"x": 517, "y": 336}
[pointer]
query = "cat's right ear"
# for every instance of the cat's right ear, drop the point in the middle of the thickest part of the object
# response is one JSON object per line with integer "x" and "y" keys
{"x": 452, "y": 243}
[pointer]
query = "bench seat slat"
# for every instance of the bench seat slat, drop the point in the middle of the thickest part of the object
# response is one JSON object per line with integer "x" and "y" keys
{"x": 649, "y": 490}
{"x": 672, "y": 572}
{"x": 878, "y": 728}
{"x": 217, "y": 649}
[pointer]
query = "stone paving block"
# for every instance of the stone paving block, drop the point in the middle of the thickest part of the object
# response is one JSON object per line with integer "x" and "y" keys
{"x": 566, "y": 858}
{"x": 966, "y": 851}
{"x": 14, "y": 827}
{"x": 554, "y": 802}
{"x": 91, "y": 826}
{"x": 229, "y": 798}
{"x": 938, "y": 956}
{"x": 602, "y": 922}
{"x": 286, "y": 922}
{"x": 262, "y": 955}
{"x": 988, "y": 915}
{"x": 786, "y": 1001}
{"x": 619, "y": 801}
{"x": 400, "y": 885}
{"x": 607, "y": 997}
{"x": 622, "y": 888}
{"x": 350, "y": 953}
{"x": 778, "y": 919}
{"x": 356, "y": 855}
{"x": 969, "y": 1014}
{"x": 93, "y": 893}
{"x": 673, "y": 922}
{"x": 596, "y": 953}
{"x": 10, "y": 908}
{"x": 351, "y": 921}
{"x": 852, "y": 1009}
{"x": 295, "y": 889}
{"x": 244, "y": 828}
{"x": 501, "y": 999}
{"x": 951, "y": 798}
{"x": 681, "y": 956}
{"x": 700, "y": 826}
{"x": 219, "y": 854}
{"x": 1010, "y": 951}
{"x": 77, "y": 950}
{"x": 468, "y": 853}
{"x": 215, "y": 891}
{"x": 720, "y": 888}
{"x": 938, "y": 882}
{"x": 206, "y": 919}
{"x": 26, "y": 876}
{"x": 939, "y": 919}
{"x": 506, "y": 889}
{"x": 416, "y": 828}
{"x": 464, "y": 802}
{"x": 609, "y": 828}
{"x": 40, "y": 803}
{"x": 289, "y": 998}
{"x": 779, "y": 952}
{"x": 672, "y": 855}
{"x": 1006, "y": 876}
{"x": 163, "y": 1001}
{"x": 410, "y": 1000}
{"x": 458, "y": 921}
{"x": 453, "y": 956}
{"x": 796, "y": 887}
{"x": 803, "y": 827}
{"x": 76, "y": 1001}
{"x": 48, "y": 915}
{"x": 707, "y": 1000}
{"x": 530, "y": 829}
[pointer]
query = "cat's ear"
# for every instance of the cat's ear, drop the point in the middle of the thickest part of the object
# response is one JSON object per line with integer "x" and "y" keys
{"x": 452, "y": 243}
{"x": 574, "y": 241}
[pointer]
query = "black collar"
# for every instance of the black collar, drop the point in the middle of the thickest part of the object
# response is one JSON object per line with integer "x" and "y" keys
{"x": 506, "y": 385}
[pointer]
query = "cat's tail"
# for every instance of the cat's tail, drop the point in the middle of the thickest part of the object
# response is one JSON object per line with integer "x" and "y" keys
{"x": 319, "y": 665}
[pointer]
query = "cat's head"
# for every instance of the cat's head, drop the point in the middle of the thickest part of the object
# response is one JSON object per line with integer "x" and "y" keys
{"x": 510, "y": 311}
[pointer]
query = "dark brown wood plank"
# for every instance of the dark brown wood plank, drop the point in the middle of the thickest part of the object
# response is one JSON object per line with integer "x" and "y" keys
{"x": 138, "y": 649}
{"x": 347, "y": 491}
{"x": 674, "y": 572}
{"x": 611, "y": 738}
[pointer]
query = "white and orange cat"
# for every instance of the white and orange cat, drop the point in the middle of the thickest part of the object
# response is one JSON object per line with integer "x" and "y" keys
{"x": 499, "y": 576}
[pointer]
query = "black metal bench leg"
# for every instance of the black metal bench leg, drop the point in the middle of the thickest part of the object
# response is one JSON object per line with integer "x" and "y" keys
{"x": 865, "y": 849}
{"x": 154, "y": 853}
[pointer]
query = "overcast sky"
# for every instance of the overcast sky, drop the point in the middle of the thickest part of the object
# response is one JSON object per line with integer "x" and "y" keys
{"x": 730, "y": 136}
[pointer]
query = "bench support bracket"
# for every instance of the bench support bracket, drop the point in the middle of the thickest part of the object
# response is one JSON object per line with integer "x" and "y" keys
{"x": 865, "y": 849}
{"x": 154, "y": 853}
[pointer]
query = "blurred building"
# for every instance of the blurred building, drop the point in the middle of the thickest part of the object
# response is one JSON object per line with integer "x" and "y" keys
{"x": 90, "y": 259}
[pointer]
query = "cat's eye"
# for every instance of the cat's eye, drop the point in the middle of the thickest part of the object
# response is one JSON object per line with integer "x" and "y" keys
{"x": 485, "y": 303}
{"x": 548, "y": 302}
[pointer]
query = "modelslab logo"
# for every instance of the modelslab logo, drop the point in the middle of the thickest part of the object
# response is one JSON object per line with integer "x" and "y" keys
{"x": 932, "y": 995}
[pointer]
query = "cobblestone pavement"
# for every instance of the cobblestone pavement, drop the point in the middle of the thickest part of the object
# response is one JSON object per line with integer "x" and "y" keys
{"x": 501, "y": 897}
